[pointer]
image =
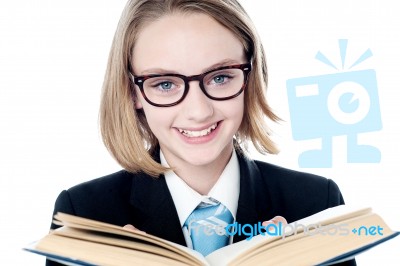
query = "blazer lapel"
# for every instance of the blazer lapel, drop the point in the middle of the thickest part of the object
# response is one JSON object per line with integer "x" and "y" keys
{"x": 253, "y": 197}
{"x": 155, "y": 209}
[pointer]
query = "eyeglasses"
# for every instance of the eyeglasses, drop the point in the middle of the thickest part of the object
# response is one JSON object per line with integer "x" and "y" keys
{"x": 219, "y": 84}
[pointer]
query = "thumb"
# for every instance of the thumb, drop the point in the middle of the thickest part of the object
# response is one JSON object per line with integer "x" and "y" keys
{"x": 276, "y": 220}
{"x": 130, "y": 227}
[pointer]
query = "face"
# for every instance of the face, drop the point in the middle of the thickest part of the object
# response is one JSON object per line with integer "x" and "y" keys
{"x": 198, "y": 131}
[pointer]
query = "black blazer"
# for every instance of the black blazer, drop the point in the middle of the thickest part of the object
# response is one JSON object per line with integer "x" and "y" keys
{"x": 266, "y": 190}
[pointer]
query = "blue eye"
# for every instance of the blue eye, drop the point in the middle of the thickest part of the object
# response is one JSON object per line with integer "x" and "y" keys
{"x": 219, "y": 79}
{"x": 166, "y": 85}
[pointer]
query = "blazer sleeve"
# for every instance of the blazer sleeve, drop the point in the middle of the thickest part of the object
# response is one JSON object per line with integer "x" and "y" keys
{"x": 63, "y": 204}
{"x": 335, "y": 197}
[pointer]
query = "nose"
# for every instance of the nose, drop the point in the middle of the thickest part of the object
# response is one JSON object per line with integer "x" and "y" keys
{"x": 197, "y": 106}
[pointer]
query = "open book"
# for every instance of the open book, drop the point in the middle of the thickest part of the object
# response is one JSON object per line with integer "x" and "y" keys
{"x": 330, "y": 236}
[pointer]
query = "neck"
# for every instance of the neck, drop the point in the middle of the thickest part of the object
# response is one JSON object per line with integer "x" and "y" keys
{"x": 202, "y": 178}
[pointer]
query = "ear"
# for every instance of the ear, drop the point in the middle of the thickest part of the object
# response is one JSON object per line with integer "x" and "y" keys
{"x": 137, "y": 102}
{"x": 136, "y": 99}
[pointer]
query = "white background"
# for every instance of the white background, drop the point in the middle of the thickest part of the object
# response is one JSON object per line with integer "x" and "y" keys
{"x": 52, "y": 60}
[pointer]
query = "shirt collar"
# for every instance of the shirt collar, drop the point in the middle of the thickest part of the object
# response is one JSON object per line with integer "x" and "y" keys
{"x": 226, "y": 190}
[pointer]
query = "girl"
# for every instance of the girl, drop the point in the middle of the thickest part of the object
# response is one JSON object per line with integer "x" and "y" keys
{"x": 183, "y": 92}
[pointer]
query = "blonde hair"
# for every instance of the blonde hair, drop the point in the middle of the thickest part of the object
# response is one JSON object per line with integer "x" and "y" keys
{"x": 124, "y": 129}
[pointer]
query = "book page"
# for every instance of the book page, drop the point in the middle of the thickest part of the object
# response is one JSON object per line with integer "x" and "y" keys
{"x": 81, "y": 252}
{"x": 88, "y": 224}
{"x": 243, "y": 248}
{"x": 126, "y": 242}
{"x": 319, "y": 248}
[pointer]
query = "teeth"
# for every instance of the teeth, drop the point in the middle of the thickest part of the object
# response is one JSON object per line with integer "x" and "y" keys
{"x": 201, "y": 133}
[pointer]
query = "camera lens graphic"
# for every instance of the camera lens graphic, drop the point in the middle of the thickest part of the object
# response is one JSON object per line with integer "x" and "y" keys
{"x": 348, "y": 102}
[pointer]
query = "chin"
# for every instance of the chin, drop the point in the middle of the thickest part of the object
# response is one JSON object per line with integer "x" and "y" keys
{"x": 205, "y": 157}
{"x": 200, "y": 162}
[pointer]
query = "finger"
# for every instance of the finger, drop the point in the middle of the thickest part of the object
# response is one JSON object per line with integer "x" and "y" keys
{"x": 130, "y": 227}
{"x": 265, "y": 223}
{"x": 279, "y": 219}
{"x": 276, "y": 220}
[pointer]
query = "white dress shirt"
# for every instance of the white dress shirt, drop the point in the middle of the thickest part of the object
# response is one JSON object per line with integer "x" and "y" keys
{"x": 226, "y": 190}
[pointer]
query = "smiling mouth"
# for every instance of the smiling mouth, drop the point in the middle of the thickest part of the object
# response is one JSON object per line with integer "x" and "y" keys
{"x": 196, "y": 134}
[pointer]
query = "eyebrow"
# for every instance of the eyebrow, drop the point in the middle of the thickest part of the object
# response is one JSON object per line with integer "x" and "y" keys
{"x": 225, "y": 62}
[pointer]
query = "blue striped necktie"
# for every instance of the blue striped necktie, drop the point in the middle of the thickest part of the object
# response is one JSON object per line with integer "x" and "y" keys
{"x": 206, "y": 226}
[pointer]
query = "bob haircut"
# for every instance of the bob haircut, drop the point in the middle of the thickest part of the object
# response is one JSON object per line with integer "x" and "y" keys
{"x": 124, "y": 129}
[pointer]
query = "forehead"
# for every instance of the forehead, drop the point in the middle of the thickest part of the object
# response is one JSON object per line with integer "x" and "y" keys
{"x": 185, "y": 43}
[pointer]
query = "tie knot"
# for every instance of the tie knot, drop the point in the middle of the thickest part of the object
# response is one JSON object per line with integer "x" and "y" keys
{"x": 207, "y": 202}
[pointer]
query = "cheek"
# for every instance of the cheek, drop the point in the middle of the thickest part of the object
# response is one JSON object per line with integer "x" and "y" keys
{"x": 152, "y": 113}
{"x": 158, "y": 118}
{"x": 235, "y": 109}
{"x": 238, "y": 113}
{"x": 153, "y": 118}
